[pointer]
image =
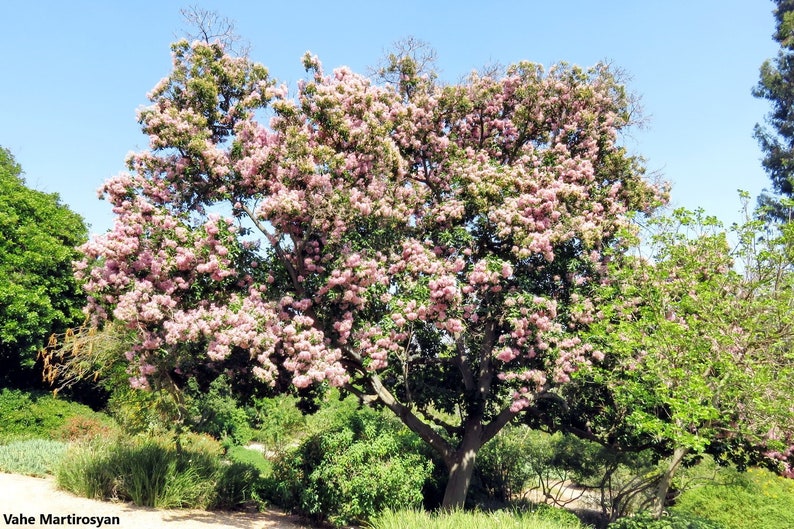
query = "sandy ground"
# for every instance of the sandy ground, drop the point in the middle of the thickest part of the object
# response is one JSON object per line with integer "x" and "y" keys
{"x": 27, "y": 496}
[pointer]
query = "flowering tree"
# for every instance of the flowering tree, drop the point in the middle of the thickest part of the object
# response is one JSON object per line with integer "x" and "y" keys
{"x": 699, "y": 338}
{"x": 417, "y": 245}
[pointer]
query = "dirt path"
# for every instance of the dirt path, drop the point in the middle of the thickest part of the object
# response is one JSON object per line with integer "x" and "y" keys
{"x": 38, "y": 498}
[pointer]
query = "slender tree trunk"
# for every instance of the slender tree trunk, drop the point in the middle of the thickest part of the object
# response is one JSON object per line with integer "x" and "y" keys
{"x": 666, "y": 480}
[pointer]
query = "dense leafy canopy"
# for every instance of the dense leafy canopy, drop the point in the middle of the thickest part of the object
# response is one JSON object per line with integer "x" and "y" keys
{"x": 427, "y": 247}
{"x": 699, "y": 334}
{"x": 38, "y": 293}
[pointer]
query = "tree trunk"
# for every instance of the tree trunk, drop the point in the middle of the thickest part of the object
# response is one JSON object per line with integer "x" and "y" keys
{"x": 460, "y": 473}
{"x": 666, "y": 480}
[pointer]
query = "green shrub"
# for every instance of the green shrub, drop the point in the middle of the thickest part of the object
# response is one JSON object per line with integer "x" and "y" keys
{"x": 671, "y": 521}
{"x": 276, "y": 420}
{"x": 541, "y": 519}
{"x": 28, "y": 415}
{"x": 151, "y": 472}
{"x": 757, "y": 498}
{"x": 86, "y": 470}
{"x": 217, "y": 412}
{"x": 502, "y": 464}
{"x": 33, "y": 457}
{"x": 350, "y": 472}
{"x": 155, "y": 412}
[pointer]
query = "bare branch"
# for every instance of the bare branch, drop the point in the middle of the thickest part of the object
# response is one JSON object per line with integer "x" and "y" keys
{"x": 210, "y": 27}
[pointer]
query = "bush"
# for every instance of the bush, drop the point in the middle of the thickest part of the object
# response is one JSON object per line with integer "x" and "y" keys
{"x": 757, "y": 498}
{"x": 237, "y": 484}
{"x": 33, "y": 457}
{"x": 277, "y": 420}
{"x": 216, "y": 412}
{"x": 26, "y": 415}
{"x": 79, "y": 428}
{"x": 671, "y": 521}
{"x": 150, "y": 412}
{"x": 151, "y": 472}
{"x": 350, "y": 472}
{"x": 502, "y": 464}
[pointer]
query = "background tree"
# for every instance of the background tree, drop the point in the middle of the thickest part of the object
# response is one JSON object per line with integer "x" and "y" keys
{"x": 417, "y": 247}
{"x": 776, "y": 84}
{"x": 38, "y": 293}
{"x": 699, "y": 339}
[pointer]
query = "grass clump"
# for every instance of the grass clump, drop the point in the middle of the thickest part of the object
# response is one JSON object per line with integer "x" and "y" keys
{"x": 32, "y": 457}
{"x": 539, "y": 519}
{"x": 152, "y": 472}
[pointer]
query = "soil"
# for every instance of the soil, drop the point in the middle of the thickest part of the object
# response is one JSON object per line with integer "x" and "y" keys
{"x": 28, "y": 496}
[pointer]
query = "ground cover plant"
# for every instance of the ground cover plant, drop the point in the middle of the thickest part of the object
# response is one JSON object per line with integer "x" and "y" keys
{"x": 757, "y": 498}
{"x": 646, "y": 520}
{"x": 32, "y": 457}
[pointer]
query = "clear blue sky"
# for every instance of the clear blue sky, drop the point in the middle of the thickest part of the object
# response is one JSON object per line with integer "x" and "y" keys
{"x": 73, "y": 73}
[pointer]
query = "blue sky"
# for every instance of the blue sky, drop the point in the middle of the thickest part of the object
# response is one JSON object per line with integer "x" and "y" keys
{"x": 73, "y": 74}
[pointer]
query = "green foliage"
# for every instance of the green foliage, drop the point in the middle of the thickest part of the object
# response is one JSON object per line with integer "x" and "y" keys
{"x": 152, "y": 472}
{"x": 236, "y": 485}
{"x": 543, "y": 518}
{"x": 503, "y": 464}
{"x": 563, "y": 470}
{"x": 351, "y": 471}
{"x": 217, "y": 412}
{"x": 137, "y": 411}
{"x": 32, "y": 414}
{"x": 696, "y": 347}
{"x": 757, "y": 499}
{"x": 672, "y": 521}
{"x": 276, "y": 420}
{"x": 33, "y": 457}
{"x": 250, "y": 457}
{"x": 38, "y": 293}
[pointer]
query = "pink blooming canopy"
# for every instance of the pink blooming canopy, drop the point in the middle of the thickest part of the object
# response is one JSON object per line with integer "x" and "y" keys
{"x": 361, "y": 214}
{"x": 431, "y": 246}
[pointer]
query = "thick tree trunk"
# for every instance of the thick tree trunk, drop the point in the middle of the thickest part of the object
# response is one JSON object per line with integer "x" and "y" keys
{"x": 666, "y": 480}
{"x": 461, "y": 470}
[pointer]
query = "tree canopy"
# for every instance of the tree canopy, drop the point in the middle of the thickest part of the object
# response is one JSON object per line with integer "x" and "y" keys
{"x": 698, "y": 334}
{"x": 776, "y": 84}
{"x": 38, "y": 292}
{"x": 429, "y": 248}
